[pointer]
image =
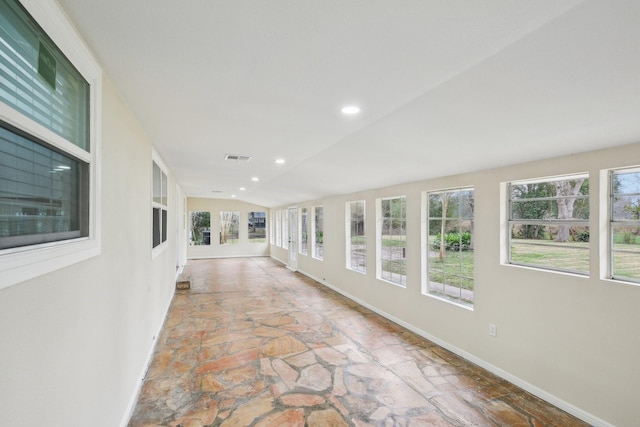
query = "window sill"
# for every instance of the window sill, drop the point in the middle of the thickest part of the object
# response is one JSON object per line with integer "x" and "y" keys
{"x": 21, "y": 264}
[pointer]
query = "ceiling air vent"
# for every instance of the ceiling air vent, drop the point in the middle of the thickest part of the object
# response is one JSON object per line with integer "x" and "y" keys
{"x": 237, "y": 157}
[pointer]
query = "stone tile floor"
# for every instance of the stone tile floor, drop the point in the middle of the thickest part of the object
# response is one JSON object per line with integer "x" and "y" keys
{"x": 254, "y": 344}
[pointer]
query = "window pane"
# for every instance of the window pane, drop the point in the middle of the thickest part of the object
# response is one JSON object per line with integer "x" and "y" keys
{"x": 393, "y": 240}
{"x": 164, "y": 225}
{"x": 200, "y": 231}
{"x": 157, "y": 183}
{"x": 163, "y": 199}
{"x": 257, "y": 224}
{"x": 318, "y": 248}
{"x": 626, "y": 252}
{"x": 43, "y": 193}
{"x": 357, "y": 238}
{"x": 37, "y": 80}
{"x": 449, "y": 245}
{"x": 304, "y": 232}
{"x": 540, "y": 246}
{"x": 229, "y": 227}
{"x": 156, "y": 226}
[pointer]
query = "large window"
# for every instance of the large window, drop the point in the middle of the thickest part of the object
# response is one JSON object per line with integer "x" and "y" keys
{"x": 356, "y": 237}
{"x": 279, "y": 228}
{"x": 229, "y": 227}
{"x": 392, "y": 236}
{"x": 159, "y": 206}
{"x": 449, "y": 245}
{"x": 285, "y": 229}
{"x": 625, "y": 224}
{"x": 318, "y": 232}
{"x": 257, "y": 227}
{"x": 48, "y": 144}
{"x": 200, "y": 230}
{"x": 549, "y": 223}
{"x": 304, "y": 231}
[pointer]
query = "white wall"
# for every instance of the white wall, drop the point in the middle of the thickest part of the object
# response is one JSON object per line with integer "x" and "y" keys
{"x": 571, "y": 339}
{"x": 74, "y": 343}
{"x": 215, "y": 249}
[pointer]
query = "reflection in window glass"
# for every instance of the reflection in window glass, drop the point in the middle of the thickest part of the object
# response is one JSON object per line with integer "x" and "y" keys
{"x": 42, "y": 193}
{"x": 257, "y": 225}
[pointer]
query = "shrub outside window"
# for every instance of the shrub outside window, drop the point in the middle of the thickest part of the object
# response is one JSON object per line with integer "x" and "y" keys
{"x": 392, "y": 236}
{"x": 625, "y": 225}
{"x": 356, "y": 237}
{"x": 449, "y": 246}
{"x": 549, "y": 223}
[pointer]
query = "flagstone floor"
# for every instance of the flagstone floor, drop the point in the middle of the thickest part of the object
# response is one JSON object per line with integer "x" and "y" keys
{"x": 254, "y": 344}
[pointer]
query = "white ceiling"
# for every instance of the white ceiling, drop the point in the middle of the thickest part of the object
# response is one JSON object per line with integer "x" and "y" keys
{"x": 445, "y": 86}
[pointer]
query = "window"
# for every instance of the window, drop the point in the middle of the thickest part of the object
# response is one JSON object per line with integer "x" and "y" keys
{"x": 285, "y": 229}
{"x": 49, "y": 201}
{"x": 271, "y": 228}
{"x": 625, "y": 225}
{"x": 229, "y": 227}
{"x": 318, "y": 232}
{"x": 356, "y": 237}
{"x": 304, "y": 231}
{"x": 257, "y": 224}
{"x": 200, "y": 231}
{"x": 449, "y": 245}
{"x": 159, "y": 205}
{"x": 279, "y": 228}
{"x": 549, "y": 223}
{"x": 392, "y": 235}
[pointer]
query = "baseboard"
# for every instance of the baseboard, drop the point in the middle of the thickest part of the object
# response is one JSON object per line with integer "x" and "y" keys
{"x": 536, "y": 391}
{"x": 226, "y": 256}
{"x": 136, "y": 392}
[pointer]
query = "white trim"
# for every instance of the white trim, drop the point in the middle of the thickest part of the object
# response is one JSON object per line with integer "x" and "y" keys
{"x": 145, "y": 367}
{"x": 542, "y": 394}
{"x": 21, "y": 264}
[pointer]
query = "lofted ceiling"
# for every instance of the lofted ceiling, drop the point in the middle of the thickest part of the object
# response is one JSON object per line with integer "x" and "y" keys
{"x": 444, "y": 86}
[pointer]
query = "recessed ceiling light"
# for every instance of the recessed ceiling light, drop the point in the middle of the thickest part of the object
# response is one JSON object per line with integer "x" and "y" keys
{"x": 242, "y": 188}
{"x": 350, "y": 110}
{"x": 233, "y": 195}
{"x": 279, "y": 161}
{"x": 255, "y": 179}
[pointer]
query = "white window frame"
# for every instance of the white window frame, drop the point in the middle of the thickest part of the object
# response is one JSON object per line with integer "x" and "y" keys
{"x": 612, "y": 223}
{"x": 24, "y": 263}
{"x": 156, "y": 250}
{"x": 303, "y": 230}
{"x": 348, "y": 239}
{"x": 279, "y": 228}
{"x": 285, "y": 229}
{"x": 511, "y": 222}
{"x": 426, "y": 247}
{"x": 314, "y": 250}
{"x": 379, "y": 249}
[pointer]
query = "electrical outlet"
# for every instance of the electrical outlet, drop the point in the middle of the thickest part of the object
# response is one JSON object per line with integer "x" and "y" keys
{"x": 493, "y": 330}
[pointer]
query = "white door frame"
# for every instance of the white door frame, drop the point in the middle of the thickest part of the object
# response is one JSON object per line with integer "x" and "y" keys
{"x": 292, "y": 212}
